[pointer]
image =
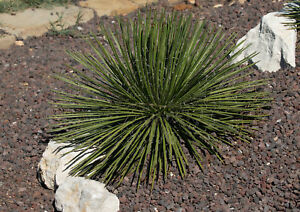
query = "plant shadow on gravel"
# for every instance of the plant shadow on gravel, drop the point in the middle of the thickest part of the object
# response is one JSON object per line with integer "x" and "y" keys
{"x": 163, "y": 86}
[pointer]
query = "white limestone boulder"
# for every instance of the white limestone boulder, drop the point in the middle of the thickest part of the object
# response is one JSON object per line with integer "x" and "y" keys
{"x": 77, "y": 194}
{"x": 52, "y": 167}
{"x": 275, "y": 43}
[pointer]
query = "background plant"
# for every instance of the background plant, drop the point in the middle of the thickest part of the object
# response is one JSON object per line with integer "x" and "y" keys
{"x": 7, "y": 6}
{"x": 58, "y": 27}
{"x": 164, "y": 85}
{"x": 38, "y": 3}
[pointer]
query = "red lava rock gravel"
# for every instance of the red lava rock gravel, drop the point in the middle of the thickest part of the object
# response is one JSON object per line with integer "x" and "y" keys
{"x": 261, "y": 176}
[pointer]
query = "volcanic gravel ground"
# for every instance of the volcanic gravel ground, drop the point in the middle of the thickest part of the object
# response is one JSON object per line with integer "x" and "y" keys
{"x": 261, "y": 176}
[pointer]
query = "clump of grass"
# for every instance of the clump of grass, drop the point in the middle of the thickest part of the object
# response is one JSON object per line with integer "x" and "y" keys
{"x": 7, "y": 6}
{"x": 59, "y": 28}
{"x": 159, "y": 86}
{"x": 11, "y": 6}
{"x": 39, "y": 3}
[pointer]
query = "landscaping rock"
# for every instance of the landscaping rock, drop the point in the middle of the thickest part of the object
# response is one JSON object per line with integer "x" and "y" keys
{"x": 275, "y": 42}
{"x": 52, "y": 167}
{"x": 191, "y": 1}
{"x": 37, "y": 22}
{"x": 77, "y": 194}
{"x": 49, "y": 164}
{"x": 108, "y": 7}
{"x": 114, "y": 7}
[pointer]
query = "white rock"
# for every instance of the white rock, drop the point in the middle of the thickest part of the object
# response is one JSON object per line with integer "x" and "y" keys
{"x": 52, "y": 167}
{"x": 275, "y": 42}
{"x": 218, "y": 5}
{"x": 79, "y": 28}
{"x": 77, "y": 194}
{"x": 192, "y": 1}
{"x": 48, "y": 165}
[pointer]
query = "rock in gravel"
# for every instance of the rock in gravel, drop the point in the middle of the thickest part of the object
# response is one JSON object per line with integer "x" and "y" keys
{"x": 191, "y": 1}
{"x": 78, "y": 194}
{"x": 52, "y": 167}
{"x": 275, "y": 43}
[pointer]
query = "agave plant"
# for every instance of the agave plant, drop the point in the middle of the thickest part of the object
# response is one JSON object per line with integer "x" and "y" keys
{"x": 292, "y": 11}
{"x": 165, "y": 87}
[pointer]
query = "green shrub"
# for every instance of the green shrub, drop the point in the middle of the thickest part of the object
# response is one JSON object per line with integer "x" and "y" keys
{"x": 164, "y": 86}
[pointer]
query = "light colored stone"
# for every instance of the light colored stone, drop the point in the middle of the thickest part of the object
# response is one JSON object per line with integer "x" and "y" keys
{"x": 49, "y": 164}
{"x": 37, "y": 22}
{"x": 114, "y": 7}
{"x": 275, "y": 43}
{"x": 218, "y": 5}
{"x": 52, "y": 167}
{"x": 191, "y": 1}
{"x": 77, "y": 194}
{"x": 109, "y": 7}
{"x": 6, "y": 41}
{"x": 19, "y": 43}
